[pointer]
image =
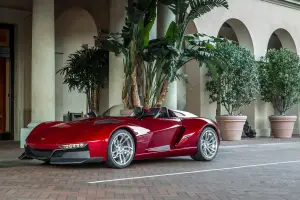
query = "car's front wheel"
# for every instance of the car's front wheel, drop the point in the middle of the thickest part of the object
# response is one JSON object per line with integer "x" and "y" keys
{"x": 208, "y": 145}
{"x": 121, "y": 149}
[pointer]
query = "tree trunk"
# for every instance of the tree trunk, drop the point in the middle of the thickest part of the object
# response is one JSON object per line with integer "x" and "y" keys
{"x": 125, "y": 98}
{"x": 98, "y": 90}
{"x": 163, "y": 93}
{"x": 135, "y": 91}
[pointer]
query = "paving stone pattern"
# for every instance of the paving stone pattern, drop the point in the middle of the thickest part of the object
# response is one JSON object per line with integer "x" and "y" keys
{"x": 32, "y": 180}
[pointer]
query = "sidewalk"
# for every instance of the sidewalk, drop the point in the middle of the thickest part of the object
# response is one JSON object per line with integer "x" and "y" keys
{"x": 250, "y": 141}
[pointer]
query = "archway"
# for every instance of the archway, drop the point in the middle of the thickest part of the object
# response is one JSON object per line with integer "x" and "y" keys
{"x": 74, "y": 27}
{"x": 281, "y": 38}
{"x": 235, "y": 30}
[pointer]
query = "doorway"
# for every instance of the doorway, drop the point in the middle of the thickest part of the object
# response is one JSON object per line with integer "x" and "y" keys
{"x": 6, "y": 82}
{"x": 3, "y": 86}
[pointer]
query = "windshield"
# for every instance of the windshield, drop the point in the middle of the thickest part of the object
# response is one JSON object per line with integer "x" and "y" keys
{"x": 118, "y": 111}
{"x": 121, "y": 111}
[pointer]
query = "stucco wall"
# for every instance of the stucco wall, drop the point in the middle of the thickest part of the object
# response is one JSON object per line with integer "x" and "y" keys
{"x": 77, "y": 22}
{"x": 81, "y": 27}
{"x": 257, "y": 30}
{"x": 76, "y": 29}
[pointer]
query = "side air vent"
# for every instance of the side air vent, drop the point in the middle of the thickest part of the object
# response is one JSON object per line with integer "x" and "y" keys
{"x": 108, "y": 121}
{"x": 179, "y": 135}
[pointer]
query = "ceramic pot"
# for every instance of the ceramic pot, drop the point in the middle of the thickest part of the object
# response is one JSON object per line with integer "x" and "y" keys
{"x": 282, "y": 126}
{"x": 231, "y": 127}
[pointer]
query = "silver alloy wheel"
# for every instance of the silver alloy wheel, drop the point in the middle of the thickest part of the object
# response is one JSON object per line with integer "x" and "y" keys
{"x": 122, "y": 148}
{"x": 209, "y": 143}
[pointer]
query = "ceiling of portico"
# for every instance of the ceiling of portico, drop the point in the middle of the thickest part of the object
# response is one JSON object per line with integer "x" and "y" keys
{"x": 99, "y": 9}
{"x": 25, "y": 5}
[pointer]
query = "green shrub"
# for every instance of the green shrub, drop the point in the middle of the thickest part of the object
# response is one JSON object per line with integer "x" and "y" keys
{"x": 233, "y": 75}
{"x": 280, "y": 79}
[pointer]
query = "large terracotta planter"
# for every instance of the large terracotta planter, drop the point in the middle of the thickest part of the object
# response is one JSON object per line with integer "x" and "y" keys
{"x": 231, "y": 127}
{"x": 282, "y": 126}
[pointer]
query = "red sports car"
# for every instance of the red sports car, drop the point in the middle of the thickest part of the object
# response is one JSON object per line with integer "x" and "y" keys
{"x": 118, "y": 139}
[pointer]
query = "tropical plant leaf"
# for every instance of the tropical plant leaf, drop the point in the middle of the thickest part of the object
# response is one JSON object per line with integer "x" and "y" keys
{"x": 86, "y": 69}
{"x": 201, "y": 7}
{"x": 149, "y": 21}
{"x": 172, "y": 32}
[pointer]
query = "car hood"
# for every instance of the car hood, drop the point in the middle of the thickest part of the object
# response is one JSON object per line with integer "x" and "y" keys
{"x": 75, "y": 131}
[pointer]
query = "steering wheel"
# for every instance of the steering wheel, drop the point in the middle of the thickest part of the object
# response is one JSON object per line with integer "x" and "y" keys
{"x": 163, "y": 111}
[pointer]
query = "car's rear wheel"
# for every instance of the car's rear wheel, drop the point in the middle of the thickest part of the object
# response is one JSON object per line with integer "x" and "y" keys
{"x": 208, "y": 145}
{"x": 121, "y": 149}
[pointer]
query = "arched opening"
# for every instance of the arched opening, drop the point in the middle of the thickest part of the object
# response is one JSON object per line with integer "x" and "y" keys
{"x": 235, "y": 30}
{"x": 281, "y": 38}
{"x": 274, "y": 42}
{"x": 226, "y": 31}
{"x": 74, "y": 27}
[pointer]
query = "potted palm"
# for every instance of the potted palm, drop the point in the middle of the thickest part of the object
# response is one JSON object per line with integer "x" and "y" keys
{"x": 233, "y": 84}
{"x": 151, "y": 65}
{"x": 86, "y": 71}
{"x": 280, "y": 85}
{"x": 189, "y": 47}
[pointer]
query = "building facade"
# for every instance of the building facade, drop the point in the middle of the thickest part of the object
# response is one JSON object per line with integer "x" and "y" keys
{"x": 37, "y": 36}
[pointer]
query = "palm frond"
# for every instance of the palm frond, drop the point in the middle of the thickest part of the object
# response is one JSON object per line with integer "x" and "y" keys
{"x": 201, "y": 7}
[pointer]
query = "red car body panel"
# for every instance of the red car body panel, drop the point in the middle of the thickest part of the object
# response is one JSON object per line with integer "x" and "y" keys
{"x": 155, "y": 137}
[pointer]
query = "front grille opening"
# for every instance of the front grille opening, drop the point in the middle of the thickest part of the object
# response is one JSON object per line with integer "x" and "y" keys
{"x": 58, "y": 154}
{"x": 42, "y": 153}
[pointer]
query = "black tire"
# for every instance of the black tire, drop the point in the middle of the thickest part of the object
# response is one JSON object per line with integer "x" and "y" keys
{"x": 110, "y": 161}
{"x": 46, "y": 162}
{"x": 200, "y": 156}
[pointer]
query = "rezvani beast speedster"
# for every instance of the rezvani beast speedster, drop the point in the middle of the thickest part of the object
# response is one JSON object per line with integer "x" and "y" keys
{"x": 118, "y": 139}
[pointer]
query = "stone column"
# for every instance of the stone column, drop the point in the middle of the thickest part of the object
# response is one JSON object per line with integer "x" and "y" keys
{"x": 43, "y": 61}
{"x": 116, "y": 67}
{"x": 164, "y": 18}
{"x": 43, "y": 66}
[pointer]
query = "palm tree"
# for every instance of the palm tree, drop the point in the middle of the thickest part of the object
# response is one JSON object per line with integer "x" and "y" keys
{"x": 87, "y": 71}
{"x": 198, "y": 45}
{"x": 131, "y": 42}
{"x": 156, "y": 62}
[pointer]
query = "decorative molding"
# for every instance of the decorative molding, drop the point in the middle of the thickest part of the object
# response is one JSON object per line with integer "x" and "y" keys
{"x": 294, "y": 4}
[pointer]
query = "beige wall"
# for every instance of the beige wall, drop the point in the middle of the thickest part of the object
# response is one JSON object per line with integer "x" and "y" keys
{"x": 252, "y": 32}
{"x": 78, "y": 21}
{"x": 81, "y": 27}
{"x": 74, "y": 28}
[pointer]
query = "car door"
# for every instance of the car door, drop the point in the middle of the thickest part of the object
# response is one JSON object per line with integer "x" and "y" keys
{"x": 162, "y": 131}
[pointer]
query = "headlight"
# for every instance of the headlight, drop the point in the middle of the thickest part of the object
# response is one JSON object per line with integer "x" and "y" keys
{"x": 73, "y": 146}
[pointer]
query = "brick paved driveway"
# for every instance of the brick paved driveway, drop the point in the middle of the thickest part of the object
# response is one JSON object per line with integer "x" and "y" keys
{"x": 30, "y": 180}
